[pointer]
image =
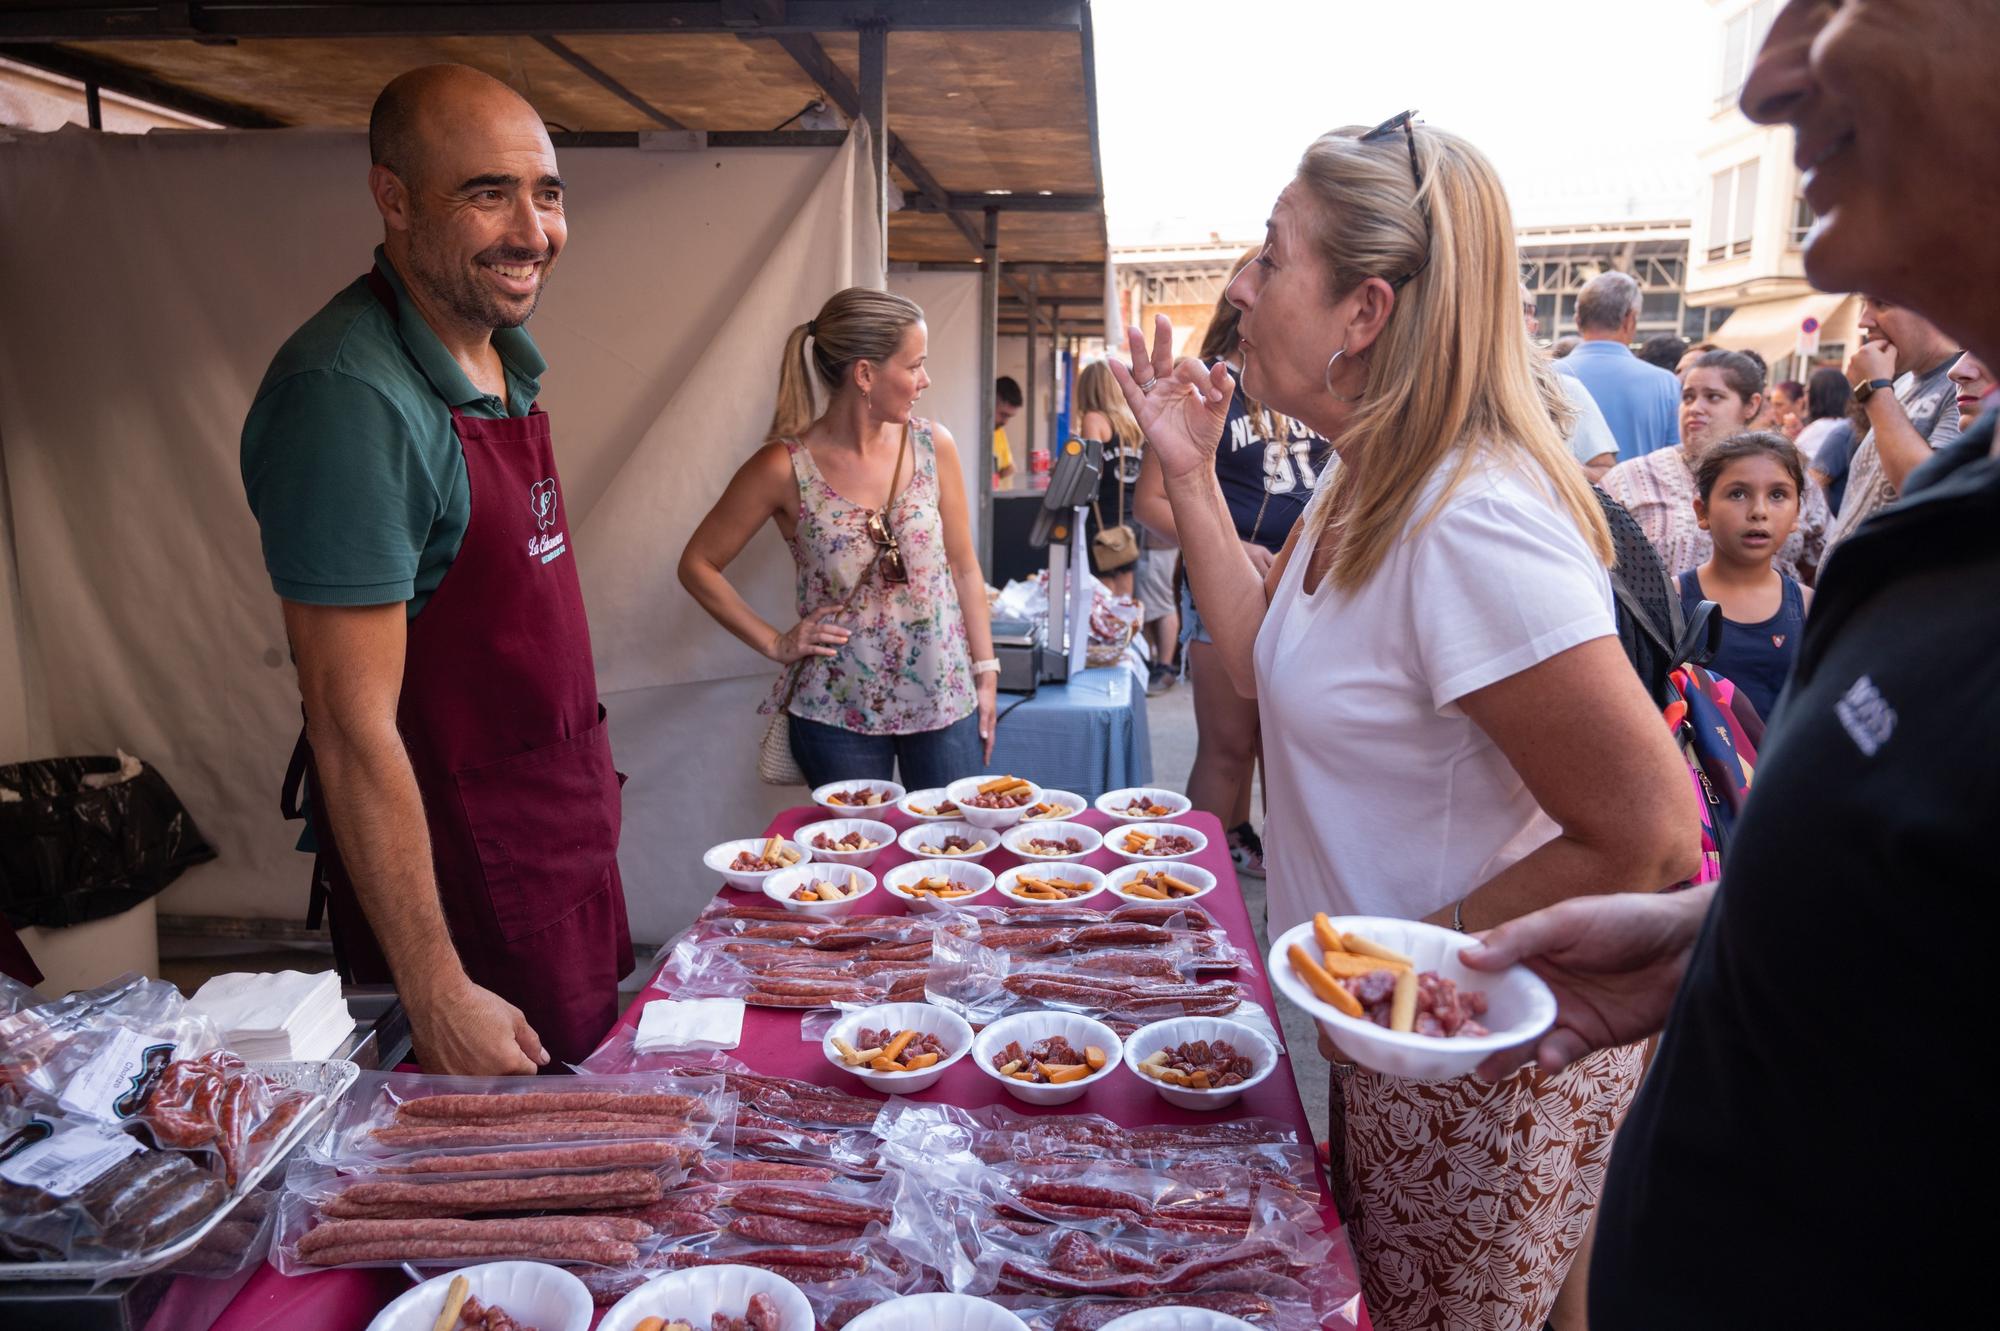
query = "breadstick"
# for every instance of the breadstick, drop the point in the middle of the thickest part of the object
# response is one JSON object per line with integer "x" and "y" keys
{"x": 1369, "y": 948}
{"x": 1403, "y": 1007}
{"x": 1350, "y": 965}
{"x": 454, "y": 1299}
{"x": 898, "y": 1045}
{"x": 1326, "y": 935}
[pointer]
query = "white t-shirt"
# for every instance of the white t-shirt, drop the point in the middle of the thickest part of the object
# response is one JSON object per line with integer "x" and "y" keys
{"x": 1385, "y": 798}
{"x": 1591, "y": 437}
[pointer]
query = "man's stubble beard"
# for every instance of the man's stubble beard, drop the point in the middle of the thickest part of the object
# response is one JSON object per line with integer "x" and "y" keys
{"x": 460, "y": 291}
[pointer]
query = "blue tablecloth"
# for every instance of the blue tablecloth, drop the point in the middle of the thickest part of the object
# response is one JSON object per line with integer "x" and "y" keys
{"x": 1088, "y": 735}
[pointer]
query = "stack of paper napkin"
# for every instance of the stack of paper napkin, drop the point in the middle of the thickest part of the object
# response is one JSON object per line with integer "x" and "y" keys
{"x": 277, "y": 1015}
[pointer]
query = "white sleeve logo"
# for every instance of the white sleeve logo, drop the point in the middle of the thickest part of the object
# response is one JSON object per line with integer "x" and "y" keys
{"x": 1866, "y": 716}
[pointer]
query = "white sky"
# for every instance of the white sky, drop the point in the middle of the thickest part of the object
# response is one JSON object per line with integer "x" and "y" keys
{"x": 1591, "y": 109}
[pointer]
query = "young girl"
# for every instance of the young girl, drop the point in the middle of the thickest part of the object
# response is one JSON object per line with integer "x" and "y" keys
{"x": 1749, "y": 487}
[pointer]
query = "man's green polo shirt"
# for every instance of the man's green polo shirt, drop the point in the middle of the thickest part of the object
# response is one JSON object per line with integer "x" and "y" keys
{"x": 349, "y": 459}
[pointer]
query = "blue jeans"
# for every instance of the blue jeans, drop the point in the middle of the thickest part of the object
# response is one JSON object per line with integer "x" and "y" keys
{"x": 928, "y": 758}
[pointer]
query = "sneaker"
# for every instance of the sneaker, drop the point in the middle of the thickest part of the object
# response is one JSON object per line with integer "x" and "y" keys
{"x": 1246, "y": 851}
{"x": 1159, "y": 679}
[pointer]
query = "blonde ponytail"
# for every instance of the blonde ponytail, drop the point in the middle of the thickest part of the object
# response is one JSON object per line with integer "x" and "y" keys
{"x": 795, "y": 395}
{"x": 857, "y": 324}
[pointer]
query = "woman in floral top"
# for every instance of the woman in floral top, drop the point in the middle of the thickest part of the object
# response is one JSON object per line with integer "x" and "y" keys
{"x": 893, "y": 629}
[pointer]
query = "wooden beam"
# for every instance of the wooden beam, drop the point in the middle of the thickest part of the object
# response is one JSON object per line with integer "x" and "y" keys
{"x": 111, "y": 76}
{"x": 810, "y": 56}
{"x": 611, "y": 85}
{"x": 52, "y": 21}
{"x": 1016, "y": 201}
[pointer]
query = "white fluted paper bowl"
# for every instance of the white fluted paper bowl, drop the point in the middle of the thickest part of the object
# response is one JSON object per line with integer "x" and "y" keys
{"x": 1112, "y": 804}
{"x": 883, "y": 835}
{"x": 925, "y": 799}
{"x": 962, "y": 871}
{"x": 1191, "y": 874}
{"x": 698, "y": 1293}
{"x": 1115, "y": 841}
{"x": 1519, "y": 1005}
{"x": 718, "y": 858}
{"x": 1176, "y": 1319}
{"x": 947, "y": 1026}
{"x": 779, "y": 887}
{"x": 1016, "y": 838}
{"x": 533, "y": 1293}
{"x": 1031, "y": 1027}
{"x": 914, "y": 839}
{"x": 937, "y": 1312}
{"x": 1064, "y": 869}
{"x": 1179, "y": 1030}
{"x": 891, "y": 793}
{"x": 960, "y": 791}
{"x": 1073, "y": 804}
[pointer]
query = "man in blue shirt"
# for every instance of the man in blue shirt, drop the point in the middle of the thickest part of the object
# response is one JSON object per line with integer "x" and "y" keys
{"x": 1640, "y": 402}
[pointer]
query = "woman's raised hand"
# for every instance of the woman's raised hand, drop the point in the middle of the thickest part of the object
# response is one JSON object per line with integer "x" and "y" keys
{"x": 811, "y": 636}
{"x": 1180, "y": 407}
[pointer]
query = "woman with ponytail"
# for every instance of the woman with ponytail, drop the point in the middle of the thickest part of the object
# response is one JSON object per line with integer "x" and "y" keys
{"x": 891, "y": 661}
{"x": 1451, "y": 731}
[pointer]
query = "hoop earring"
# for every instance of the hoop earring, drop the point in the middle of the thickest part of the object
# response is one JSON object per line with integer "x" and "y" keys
{"x": 1327, "y": 379}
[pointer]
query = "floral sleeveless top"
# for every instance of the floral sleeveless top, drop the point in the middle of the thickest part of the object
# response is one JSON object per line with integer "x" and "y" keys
{"x": 907, "y": 665}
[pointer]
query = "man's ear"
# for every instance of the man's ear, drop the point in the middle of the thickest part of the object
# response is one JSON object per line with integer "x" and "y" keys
{"x": 392, "y": 197}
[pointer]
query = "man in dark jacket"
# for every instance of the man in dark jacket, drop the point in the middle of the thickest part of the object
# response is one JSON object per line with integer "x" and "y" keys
{"x": 1806, "y": 1149}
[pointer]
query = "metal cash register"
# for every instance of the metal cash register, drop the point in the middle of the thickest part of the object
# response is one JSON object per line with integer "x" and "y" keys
{"x": 1060, "y": 526}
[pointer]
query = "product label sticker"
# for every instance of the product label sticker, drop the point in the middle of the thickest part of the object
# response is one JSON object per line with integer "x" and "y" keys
{"x": 114, "y": 1084}
{"x": 61, "y": 1162}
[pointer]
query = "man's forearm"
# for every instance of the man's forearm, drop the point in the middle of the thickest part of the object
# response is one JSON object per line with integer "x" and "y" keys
{"x": 377, "y": 813}
{"x": 1897, "y": 442}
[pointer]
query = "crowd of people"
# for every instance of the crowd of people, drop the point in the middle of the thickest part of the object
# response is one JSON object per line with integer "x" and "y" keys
{"x": 1401, "y": 597}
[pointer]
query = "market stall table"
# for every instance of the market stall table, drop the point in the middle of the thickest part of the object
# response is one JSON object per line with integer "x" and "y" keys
{"x": 345, "y": 1300}
{"x": 1089, "y": 735}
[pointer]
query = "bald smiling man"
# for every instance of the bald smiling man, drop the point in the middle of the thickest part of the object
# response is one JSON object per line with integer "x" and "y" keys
{"x": 454, "y": 757}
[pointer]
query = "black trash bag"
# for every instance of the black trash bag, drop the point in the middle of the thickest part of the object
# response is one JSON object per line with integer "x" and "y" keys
{"x": 69, "y": 854}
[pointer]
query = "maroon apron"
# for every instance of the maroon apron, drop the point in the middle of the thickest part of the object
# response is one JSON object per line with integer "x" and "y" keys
{"x": 500, "y": 715}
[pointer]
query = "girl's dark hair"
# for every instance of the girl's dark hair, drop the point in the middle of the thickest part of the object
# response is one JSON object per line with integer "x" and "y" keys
{"x": 1744, "y": 376}
{"x": 1754, "y": 444}
{"x": 1827, "y": 395}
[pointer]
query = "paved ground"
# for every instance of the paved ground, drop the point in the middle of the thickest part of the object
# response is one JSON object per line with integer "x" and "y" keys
{"x": 1171, "y": 716}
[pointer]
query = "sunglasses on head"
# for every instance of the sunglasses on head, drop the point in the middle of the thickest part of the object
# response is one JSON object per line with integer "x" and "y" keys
{"x": 889, "y": 552}
{"x": 1406, "y": 121}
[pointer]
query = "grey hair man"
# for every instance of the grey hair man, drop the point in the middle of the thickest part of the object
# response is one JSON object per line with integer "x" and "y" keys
{"x": 1640, "y": 402}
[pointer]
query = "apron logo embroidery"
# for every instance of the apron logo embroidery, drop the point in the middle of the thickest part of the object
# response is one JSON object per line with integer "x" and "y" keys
{"x": 542, "y": 502}
{"x": 1777, "y": 640}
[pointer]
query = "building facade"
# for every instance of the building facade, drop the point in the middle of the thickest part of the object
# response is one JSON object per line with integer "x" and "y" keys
{"x": 1746, "y": 251}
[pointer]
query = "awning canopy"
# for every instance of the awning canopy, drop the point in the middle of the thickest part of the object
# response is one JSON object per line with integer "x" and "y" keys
{"x": 1771, "y": 328}
{"x": 991, "y": 107}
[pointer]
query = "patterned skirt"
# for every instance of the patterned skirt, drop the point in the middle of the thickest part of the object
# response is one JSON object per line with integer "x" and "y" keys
{"x": 1465, "y": 1200}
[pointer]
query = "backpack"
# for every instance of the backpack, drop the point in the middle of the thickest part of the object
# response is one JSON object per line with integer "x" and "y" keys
{"x": 1715, "y": 726}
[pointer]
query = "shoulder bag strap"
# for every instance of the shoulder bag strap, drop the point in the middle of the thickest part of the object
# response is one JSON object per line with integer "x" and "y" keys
{"x": 854, "y": 594}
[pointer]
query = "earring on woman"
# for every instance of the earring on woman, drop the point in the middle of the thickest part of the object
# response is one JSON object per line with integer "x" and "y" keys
{"x": 1327, "y": 379}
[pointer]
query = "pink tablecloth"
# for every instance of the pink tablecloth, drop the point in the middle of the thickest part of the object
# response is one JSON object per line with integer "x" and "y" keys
{"x": 347, "y": 1300}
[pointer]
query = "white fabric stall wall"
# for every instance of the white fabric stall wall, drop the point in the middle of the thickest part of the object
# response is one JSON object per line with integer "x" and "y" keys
{"x": 149, "y": 281}
{"x": 951, "y": 317}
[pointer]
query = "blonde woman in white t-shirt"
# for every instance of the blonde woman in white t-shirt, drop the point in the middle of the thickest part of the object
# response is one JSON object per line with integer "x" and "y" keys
{"x": 1451, "y": 731}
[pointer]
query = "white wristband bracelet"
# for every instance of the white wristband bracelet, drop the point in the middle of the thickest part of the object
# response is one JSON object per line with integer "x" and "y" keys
{"x": 990, "y": 666}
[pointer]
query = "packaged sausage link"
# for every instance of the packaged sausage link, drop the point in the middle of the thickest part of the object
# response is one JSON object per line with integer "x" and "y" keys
{"x": 475, "y": 1124}
{"x": 76, "y": 1190}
